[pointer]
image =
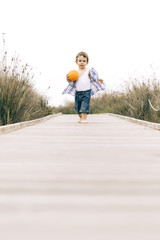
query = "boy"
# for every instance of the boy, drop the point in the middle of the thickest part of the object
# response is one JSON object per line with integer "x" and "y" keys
{"x": 87, "y": 84}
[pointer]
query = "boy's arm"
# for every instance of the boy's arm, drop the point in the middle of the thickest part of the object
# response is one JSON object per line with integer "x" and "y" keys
{"x": 95, "y": 76}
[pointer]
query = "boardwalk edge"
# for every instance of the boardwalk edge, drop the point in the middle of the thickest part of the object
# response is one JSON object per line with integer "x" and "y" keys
{"x": 16, "y": 126}
{"x": 138, "y": 121}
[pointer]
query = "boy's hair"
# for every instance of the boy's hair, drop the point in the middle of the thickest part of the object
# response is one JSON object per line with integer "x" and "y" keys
{"x": 84, "y": 54}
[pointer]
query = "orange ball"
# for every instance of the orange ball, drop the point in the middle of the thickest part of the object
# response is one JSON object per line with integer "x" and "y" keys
{"x": 73, "y": 75}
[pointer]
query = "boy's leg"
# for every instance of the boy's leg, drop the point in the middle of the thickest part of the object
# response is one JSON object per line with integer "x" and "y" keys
{"x": 77, "y": 105}
{"x": 84, "y": 118}
{"x": 80, "y": 116}
{"x": 85, "y": 105}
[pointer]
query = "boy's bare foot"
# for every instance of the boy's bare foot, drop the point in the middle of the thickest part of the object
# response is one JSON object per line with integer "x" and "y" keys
{"x": 83, "y": 121}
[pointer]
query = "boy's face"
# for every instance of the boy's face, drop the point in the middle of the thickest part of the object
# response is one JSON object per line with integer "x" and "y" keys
{"x": 81, "y": 62}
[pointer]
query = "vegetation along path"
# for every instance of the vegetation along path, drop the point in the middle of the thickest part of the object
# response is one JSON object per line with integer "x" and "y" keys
{"x": 63, "y": 180}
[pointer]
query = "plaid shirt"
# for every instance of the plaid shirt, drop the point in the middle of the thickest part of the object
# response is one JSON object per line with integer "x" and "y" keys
{"x": 95, "y": 85}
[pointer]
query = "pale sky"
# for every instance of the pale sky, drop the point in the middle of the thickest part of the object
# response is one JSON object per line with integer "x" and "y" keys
{"x": 121, "y": 38}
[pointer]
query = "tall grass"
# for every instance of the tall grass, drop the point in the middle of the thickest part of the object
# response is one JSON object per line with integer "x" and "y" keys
{"x": 130, "y": 102}
{"x": 19, "y": 101}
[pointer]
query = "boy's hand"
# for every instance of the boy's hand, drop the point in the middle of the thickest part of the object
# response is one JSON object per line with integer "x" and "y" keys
{"x": 100, "y": 80}
{"x": 68, "y": 80}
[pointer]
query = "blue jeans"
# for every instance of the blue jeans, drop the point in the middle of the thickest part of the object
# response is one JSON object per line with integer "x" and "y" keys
{"x": 82, "y": 101}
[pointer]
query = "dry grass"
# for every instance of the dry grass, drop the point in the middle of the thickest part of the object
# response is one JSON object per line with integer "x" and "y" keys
{"x": 19, "y": 101}
{"x": 130, "y": 102}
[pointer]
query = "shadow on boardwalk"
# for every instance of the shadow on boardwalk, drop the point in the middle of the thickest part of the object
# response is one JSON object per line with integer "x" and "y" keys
{"x": 63, "y": 180}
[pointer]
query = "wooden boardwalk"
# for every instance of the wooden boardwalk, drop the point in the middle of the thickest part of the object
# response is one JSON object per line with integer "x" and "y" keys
{"x": 60, "y": 180}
